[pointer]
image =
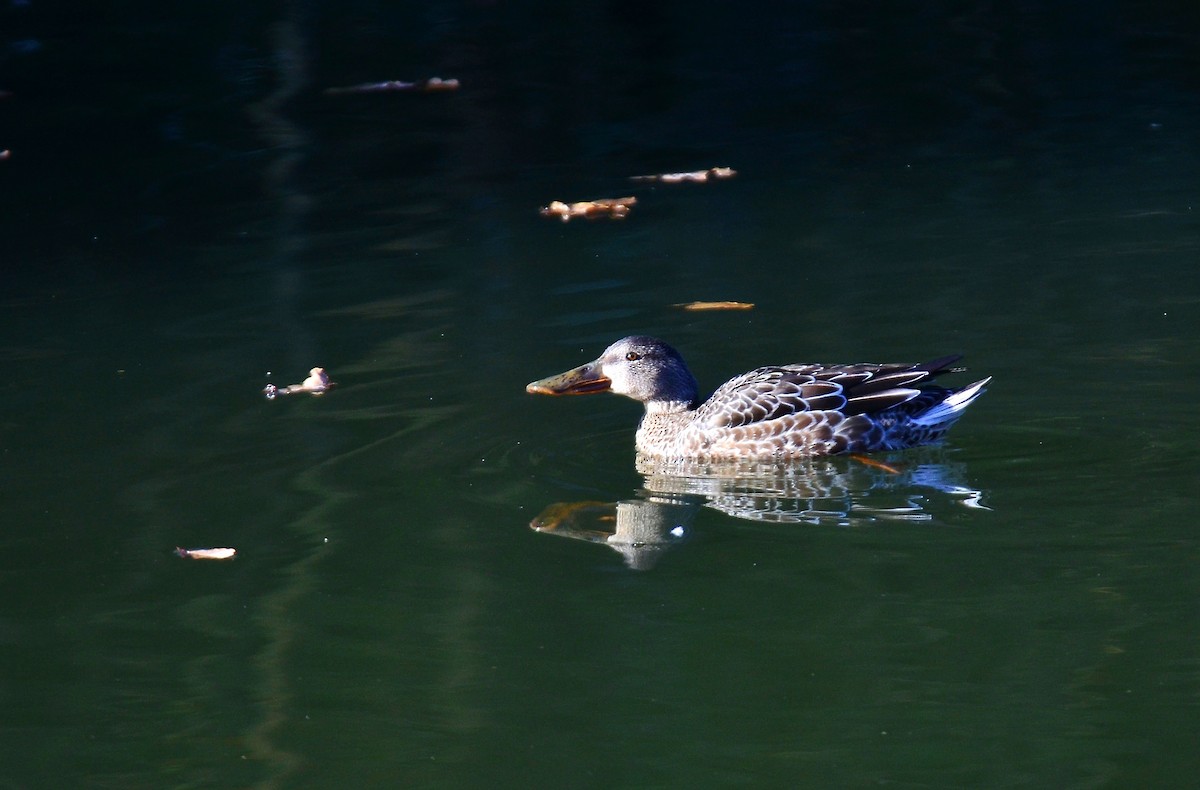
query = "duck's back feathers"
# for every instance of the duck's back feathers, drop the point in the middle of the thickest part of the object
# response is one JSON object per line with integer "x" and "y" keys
{"x": 772, "y": 392}
{"x": 821, "y": 409}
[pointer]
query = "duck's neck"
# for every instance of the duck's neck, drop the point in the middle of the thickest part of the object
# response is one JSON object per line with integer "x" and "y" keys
{"x": 663, "y": 424}
{"x": 667, "y": 407}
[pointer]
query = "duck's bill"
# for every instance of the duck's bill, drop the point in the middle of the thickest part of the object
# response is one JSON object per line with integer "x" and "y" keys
{"x": 583, "y": 380}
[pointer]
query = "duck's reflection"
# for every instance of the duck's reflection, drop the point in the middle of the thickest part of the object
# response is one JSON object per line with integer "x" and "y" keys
{"x": 639, "y": 529}
{"x": 844, "y": 491}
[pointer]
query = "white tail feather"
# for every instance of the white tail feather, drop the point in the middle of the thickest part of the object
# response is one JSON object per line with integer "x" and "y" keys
{"x": 952, "y": 407}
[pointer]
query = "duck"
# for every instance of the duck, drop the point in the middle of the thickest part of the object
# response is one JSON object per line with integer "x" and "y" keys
{"x": 774, "y": 412}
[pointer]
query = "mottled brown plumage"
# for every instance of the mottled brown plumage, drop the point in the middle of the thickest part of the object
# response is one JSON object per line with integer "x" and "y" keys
{"x": 770, "y": 412}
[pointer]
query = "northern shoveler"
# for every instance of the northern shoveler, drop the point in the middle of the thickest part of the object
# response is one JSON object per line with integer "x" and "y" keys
{"x": 773, "y": 412}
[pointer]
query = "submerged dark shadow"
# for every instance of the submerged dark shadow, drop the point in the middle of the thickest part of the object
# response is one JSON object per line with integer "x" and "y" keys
{"x": 843, "y": 492}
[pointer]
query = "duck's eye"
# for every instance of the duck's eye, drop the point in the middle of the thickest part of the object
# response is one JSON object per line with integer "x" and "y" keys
{"x": 633, "y": 356}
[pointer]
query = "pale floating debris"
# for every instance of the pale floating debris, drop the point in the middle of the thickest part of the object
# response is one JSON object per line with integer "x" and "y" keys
{"x": 431, "y": 85}
{"x": 206, "y": 554}
{"x": 715, "y": 305}
{"x": 695, "y": 176}
{"x": 317, "y": 383}
{"x": 613, "y": 208}
{"x": 5, "y": 153}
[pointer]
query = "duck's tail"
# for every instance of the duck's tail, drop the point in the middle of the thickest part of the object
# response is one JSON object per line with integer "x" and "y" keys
{"x": 952, "y": 407}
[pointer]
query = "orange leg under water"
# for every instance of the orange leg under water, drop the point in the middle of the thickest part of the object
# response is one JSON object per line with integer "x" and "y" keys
{"x": 863, "y": 459}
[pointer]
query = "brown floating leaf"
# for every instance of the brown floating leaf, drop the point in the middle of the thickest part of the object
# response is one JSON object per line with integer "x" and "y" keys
{"x": 206, "y": 554}
{"x": 716, "y": 305}
{"x": 613, "y": 208}
{"x": 431, "y": 85}
{"x": 695, "y": 176}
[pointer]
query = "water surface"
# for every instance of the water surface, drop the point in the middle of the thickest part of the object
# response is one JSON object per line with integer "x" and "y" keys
{"x": 1015, "y": 608}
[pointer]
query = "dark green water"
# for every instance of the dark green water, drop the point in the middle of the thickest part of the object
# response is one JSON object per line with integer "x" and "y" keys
{"x": 1017, "y": 608}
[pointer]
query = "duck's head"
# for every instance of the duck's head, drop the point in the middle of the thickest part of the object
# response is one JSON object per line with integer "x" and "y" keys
{"x": 643, "y": 368}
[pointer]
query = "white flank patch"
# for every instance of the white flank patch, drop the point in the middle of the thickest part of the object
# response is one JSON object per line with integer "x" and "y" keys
{"x": 952, "y": 407}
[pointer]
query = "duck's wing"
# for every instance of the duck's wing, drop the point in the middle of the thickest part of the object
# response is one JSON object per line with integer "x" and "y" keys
{"x": 770, "y": 393}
